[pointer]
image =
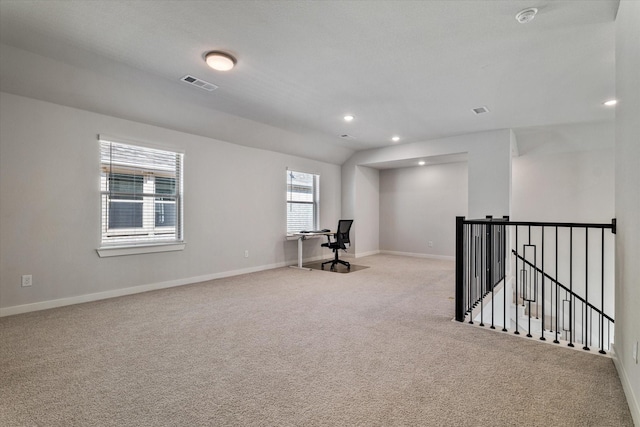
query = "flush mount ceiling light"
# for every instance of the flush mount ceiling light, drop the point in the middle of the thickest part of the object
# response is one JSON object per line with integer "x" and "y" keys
{"x": 526, "y": 15}
{"x": 611, "y": 102}
{"x": 421, "y": 162}
{"x": 220, "y": 61}
{"x": 349, "y": 117}
{"x": 395, "y": 138}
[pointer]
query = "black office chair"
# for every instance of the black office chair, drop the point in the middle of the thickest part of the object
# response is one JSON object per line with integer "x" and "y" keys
{"x": 341, "y": 238}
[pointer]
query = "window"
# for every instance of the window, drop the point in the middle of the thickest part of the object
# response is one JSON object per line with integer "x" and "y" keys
{"x": 302, "y": 201}
{"x": 141, "y": 192}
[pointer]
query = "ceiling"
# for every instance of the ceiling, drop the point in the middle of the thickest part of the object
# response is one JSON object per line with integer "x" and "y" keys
{"x": 415, "y": 69}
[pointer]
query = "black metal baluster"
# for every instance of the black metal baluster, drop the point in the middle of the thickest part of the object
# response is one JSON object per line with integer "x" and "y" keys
{"x": 471, "y": 268}
{"x": 585, "y": 339}
{"x": 551, "y": 296}
{"x": 581, "y": 330}
{"x": 535, "y": 282}
{"x": 602, "y": 295}
{"x": 571, "y": 320}
{"x": 490, "y": 265}
{"x": 483, "y": 285}
{"x": 469, "y": 264}
{"x": 503, "y": 257}
{"x": 591, "y": 309}
{"x": 472, "y": 277}
{"x": 556, "y": 341}
{"x": 516, "y": 332}
{"x": 529, "y": 284}
{"x": 542, "y": 338}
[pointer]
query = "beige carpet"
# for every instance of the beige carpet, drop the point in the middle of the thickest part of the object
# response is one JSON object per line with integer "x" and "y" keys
{"x": 288, "y": 347}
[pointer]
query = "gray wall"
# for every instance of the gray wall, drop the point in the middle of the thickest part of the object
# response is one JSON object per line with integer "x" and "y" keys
{"x": 234, "y": 200}
{"x": 564, "y": 173}
{"x": 367, "y": 210}
{"x": 418, "y": 205}
{"x": 627, "y": 195}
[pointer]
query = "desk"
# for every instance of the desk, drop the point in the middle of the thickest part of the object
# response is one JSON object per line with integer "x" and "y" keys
{"x": 302, "y": 237}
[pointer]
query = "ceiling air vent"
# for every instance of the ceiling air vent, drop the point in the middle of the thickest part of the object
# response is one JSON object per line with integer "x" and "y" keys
{"x": 480, "y": 110}
{"x": 199, "y": 83}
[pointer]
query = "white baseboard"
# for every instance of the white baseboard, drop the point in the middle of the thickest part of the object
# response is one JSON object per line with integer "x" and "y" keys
{"x": 417, "y": 255}
{"x": 312, "y": 259}
{"x": 363, "y": 254}
{"x": 44, "y": 305}
{"x": 632, "y": 400}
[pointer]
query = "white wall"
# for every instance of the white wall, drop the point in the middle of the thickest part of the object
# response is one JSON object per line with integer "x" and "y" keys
{"x": 418, "y": 205}
{"x": 564, "y": 174}
{"x": 367, "y": 211}
{"x": 627, "y": 193}
{"x": 490, "y": 175}
{"x": 234, "y": 200}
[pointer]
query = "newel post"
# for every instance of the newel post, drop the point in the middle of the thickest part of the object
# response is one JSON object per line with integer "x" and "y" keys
{"x": 460, "y": 268}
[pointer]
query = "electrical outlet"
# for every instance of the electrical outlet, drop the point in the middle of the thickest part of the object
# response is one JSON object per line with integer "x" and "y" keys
{"x": 246, "y": 253}
{"x": 27, "y": 280}
{"x": 430, "y": 243}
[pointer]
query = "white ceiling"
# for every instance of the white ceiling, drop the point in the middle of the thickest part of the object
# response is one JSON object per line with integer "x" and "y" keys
{"x": 408, "y": 68}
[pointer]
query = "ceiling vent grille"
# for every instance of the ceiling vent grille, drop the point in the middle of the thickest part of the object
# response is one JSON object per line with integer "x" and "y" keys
{"x": 480, "y": 110}
{"x": 194, "y": 81}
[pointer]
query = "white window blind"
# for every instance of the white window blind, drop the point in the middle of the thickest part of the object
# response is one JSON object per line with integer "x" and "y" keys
{"x": 302, "y": 201}
{"x": 141, "y": 192}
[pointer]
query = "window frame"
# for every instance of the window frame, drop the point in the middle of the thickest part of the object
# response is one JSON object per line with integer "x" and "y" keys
{"x": 315, "y": 199}
{"x": 149, "y": 238}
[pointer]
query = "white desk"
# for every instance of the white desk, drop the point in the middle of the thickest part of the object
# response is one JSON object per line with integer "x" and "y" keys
{"x": 302, "y": 237}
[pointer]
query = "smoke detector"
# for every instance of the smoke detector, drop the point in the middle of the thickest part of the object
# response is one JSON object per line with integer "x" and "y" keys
{"x": 526, "y": 15}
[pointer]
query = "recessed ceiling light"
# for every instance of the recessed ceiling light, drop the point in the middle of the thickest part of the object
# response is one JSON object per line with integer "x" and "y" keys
{"x": 611, "y": 102}
{"x": 349, "y": 117}
{"x": 220, "y": 61}
{"x": 395, "y": 138}
{"x": 526, "y": 15}
{"x": 421, "y": 163}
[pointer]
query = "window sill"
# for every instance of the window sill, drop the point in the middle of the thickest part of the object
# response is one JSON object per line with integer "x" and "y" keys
{"x": 109, "y": 251}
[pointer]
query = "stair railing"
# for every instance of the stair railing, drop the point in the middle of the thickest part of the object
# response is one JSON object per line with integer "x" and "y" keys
{"x": 559, "y": 279}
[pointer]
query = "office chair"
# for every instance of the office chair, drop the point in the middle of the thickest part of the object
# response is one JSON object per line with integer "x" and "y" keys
{"x": 341, "y": 238}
